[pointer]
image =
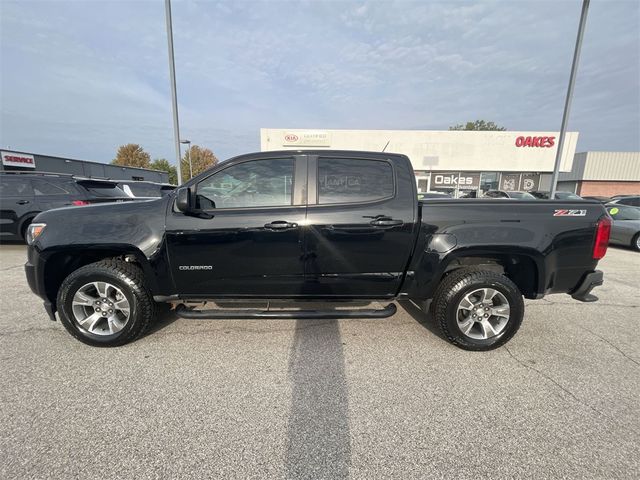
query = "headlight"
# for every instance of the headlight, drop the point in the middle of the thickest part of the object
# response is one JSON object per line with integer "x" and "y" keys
{"x": 34, "y": 231}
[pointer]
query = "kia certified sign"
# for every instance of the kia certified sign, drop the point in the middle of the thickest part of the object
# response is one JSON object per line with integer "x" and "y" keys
{"x": 462, "y": 180}
{"x": 539, "y": 142}
{"x": 311, "y": 138}
{"x": 11, "y": 159}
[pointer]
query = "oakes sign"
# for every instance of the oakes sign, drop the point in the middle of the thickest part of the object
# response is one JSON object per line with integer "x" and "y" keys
{"x": 540, "y": 142}
{"x": 463, "y": 180}
{"x": 11, "y": 159}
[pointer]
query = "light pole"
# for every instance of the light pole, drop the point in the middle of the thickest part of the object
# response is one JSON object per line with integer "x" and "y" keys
{"x": 188, "y": 142}
{"x": 567, "y": 102}
{"x": 174, "y": 95}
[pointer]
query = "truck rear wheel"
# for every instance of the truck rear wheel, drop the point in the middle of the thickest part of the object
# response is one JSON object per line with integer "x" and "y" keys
{"x": 478, "y": 309}
{"x": 105, "y": 304}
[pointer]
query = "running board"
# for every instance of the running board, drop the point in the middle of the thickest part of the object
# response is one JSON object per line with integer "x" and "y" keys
{"x": 185, "y": 312}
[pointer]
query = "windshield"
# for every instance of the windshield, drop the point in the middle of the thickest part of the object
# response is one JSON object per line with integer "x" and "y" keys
{"x": 618, "y": 212}
{"x": 522, "y": 195}
{"x": 567, "y": 196}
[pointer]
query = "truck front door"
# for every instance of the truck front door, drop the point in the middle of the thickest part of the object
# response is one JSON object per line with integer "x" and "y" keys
{"x": 360, "y": 226}
{"x": 252, "y": 243}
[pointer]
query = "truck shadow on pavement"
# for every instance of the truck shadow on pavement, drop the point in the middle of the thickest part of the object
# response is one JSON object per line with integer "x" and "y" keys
{"x": 318, "y": 437}
{"x": 420, "y": 313}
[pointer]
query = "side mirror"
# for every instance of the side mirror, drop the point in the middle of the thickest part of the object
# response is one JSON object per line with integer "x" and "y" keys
{"x": 183, "y": 199}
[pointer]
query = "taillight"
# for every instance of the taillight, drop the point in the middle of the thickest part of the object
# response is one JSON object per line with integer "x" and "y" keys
{"x": 603, "y": 230}
{"x": 79, "y": 203}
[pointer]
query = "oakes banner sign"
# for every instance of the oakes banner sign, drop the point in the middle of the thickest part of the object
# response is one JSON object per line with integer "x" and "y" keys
{"x": 11, "y": 159}
{"x": 540, "y": 142}
{"x": 462, "y": 180}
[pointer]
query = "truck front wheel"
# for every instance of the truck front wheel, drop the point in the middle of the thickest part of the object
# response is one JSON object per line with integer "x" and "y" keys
{"x": 106, "y": 303}
{"x": 478, "y": 309}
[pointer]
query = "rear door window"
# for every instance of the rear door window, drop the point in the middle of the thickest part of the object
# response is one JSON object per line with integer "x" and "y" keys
{"x": 42, "y": 187}
{"x": 354, "y": 180}
{"x": 15, "y": 187}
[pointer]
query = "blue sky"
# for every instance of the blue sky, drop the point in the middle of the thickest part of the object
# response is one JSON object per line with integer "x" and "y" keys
{"x": 80, "y": 78}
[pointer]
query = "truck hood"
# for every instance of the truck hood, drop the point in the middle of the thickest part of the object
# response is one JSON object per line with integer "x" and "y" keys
{"x": 138, "y": 224}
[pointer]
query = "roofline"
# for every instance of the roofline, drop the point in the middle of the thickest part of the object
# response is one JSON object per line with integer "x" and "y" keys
{"x": 83, "y": 161}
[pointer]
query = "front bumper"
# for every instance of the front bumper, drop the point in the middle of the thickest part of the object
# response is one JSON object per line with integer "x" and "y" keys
{"x": 589, "y": 282}
{"x": 34, "y": 270}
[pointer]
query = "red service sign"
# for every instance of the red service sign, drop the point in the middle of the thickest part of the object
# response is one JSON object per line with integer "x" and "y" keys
{"x": 540, "y": 142}
{"x": 11, "y": 159}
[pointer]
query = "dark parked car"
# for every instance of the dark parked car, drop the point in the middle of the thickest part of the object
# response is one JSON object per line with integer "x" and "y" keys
{"x": 630, "y": 200}
{"x": 558, "y": 196}
{"x": 626, "y": 225}
{"x": 313, "y": 226}
{"x": 24, "y": 195}
{"x": 507, "y": 194}
{"x": 143, "y": 189}
{"x": 597, "y": 198}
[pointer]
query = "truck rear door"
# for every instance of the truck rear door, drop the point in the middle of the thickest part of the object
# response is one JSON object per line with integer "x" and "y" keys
{"x": 360, "y": 226}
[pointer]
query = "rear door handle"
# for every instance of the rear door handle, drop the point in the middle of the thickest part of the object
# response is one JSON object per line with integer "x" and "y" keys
{"x": 386, "y": 222}
{"x": 23, "y": 202}
{"x": 280, "y": 225}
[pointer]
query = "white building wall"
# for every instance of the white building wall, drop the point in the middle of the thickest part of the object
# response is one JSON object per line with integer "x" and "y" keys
{"x": 435, "y": 150}
{"x": 605, "y": 166}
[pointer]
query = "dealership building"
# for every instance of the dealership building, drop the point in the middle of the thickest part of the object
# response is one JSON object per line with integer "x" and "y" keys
{"x": 603, "y": 173}
{"x": 456, "y": 162}
{"x": 32, "y": 162}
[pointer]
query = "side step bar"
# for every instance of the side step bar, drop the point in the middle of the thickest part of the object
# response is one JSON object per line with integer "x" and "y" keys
{"x": 185, "y": 312}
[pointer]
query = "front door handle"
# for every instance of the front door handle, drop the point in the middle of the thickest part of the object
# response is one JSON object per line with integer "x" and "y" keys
{"x": 23, "y": 202}
{"x": 386, "y": 222}
{"x": 280, "y": 225}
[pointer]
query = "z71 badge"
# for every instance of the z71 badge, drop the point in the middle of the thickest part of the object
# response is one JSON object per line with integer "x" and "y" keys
{"x": 569, "y": 213}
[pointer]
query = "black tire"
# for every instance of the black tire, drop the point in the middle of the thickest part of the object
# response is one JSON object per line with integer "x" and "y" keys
{"x": 125, "y": 276}
{"x": 460, "y": 283}
{"x": 634, "y": 242}
{"x": 23, "y": 229}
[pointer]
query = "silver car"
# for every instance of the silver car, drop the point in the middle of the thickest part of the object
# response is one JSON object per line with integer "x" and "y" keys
{"x": 626, "y": 225}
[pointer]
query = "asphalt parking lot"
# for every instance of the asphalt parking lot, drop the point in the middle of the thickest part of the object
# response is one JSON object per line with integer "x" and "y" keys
{"x": 325, "y": 399}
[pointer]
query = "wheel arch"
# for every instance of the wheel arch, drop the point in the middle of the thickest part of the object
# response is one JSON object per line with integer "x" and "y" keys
{"x": 26, "y": 219}
{"x": 62, "y": 262}
{"x": 524, "y": 267}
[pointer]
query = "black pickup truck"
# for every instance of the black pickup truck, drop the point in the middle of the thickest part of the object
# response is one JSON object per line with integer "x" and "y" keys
{"x": 313, "y": 226}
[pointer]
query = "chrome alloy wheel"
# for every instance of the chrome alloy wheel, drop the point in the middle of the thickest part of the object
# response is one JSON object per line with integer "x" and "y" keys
{"x": 100, "y": 308}
{"x": 483, "y": 313}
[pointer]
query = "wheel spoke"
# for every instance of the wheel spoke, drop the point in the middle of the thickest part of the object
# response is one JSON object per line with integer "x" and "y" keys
{"x": 487, "y": 328}
{"x": 91, "y": 321}
{"x": 488, "y": 294}
{"x": 501, "y": 311}
{"x": 465, "y": 303}
{"x": 81, "y": 298}
{"x": 101, "y": 288}
{"x": 466, "y": 325}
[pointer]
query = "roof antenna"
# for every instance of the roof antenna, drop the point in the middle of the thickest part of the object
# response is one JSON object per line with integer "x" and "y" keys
{"x": 385, "y": 147}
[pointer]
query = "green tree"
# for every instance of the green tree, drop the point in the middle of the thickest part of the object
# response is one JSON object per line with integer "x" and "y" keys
{"x": 132, "y": 155}
{"x": 163, "y": 165}
{"x": 201, "y": 160}
{"x": 478, "y": 125}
